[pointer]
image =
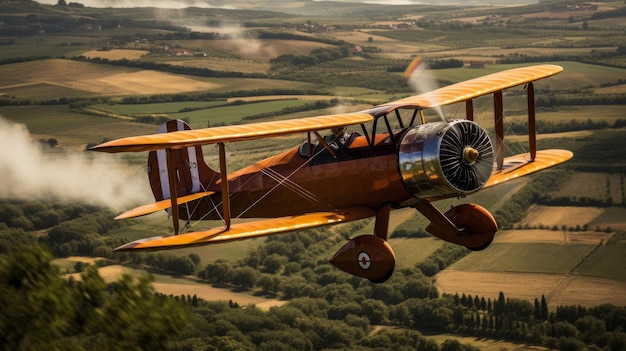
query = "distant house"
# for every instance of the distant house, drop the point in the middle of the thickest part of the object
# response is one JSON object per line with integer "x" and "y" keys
{"x": 477, "y": 64}
{"x": 180, "y": 52}
{"x": 92, "y": 27}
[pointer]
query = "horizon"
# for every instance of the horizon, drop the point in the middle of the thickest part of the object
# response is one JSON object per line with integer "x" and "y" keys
{"x": 180, "y": 4}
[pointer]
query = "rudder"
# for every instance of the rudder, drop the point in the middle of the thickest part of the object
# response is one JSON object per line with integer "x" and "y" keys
{"x": 193, "y": 174}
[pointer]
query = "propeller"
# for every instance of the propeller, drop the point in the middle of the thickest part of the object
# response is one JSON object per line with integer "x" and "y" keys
{"x": 420, "y": 80}
{"x": 466, "y": 155}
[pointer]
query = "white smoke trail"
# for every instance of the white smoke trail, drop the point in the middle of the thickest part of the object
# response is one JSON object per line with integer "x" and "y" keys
{"x": 26, "y": 172}
{"x": 420, "y": 80}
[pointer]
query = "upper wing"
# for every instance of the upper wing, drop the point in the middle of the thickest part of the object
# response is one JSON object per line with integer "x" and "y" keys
{"x": 248, "y": 230}
{"x": 484, "y": 85}
{"x": 181, "y": 139}
{"x": 447, "y": 95}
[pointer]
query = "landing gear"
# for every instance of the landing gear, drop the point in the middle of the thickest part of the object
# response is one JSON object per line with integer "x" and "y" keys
{"x": 369, "y": 256}
{"x": 366, "y": 256}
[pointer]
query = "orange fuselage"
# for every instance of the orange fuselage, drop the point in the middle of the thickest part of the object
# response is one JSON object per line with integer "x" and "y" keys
{"x": 288, "y": 184}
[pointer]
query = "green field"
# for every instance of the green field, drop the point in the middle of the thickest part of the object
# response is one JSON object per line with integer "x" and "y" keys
{"x": 602, "y": 263}
{"x": 525, "y": 257}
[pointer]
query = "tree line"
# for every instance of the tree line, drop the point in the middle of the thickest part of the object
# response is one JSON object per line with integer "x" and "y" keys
{"x": 340, "y": 310}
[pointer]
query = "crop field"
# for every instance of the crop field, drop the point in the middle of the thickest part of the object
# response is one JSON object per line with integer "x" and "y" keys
{"x": 548, "y": 216}
{"x": 154, "y": 108}
{"x": 44, "y": 91}
{"x": 410, "y": 251}
{"x": 234, "y": 114}
{"x": 552, "y": 236}
{"x": 602, "y": 263}
{"x": 220, "y": 64}
{"x": 612, "y": 217}
{"x": 558, "y": 289}
{"x": 525, "y": 257}
{"x": 598, "y": 186}
{"x": 98, "y": 79}
{"x": 566, "y": 267}
{"x": 116, "y": 54}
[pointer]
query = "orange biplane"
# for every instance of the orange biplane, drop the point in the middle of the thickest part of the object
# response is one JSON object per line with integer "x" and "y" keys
{"x": 396, "y": 160}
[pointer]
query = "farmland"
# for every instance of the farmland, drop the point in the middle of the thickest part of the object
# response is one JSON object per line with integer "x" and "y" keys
{"x": 80, "y": 87}
{"x": 55, "y": 78}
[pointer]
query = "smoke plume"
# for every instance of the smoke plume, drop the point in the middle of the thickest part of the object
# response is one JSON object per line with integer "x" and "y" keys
{"x": 27, "y": 172}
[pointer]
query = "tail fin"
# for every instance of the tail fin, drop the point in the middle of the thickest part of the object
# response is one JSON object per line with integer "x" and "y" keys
{"x": 193, "y": 174}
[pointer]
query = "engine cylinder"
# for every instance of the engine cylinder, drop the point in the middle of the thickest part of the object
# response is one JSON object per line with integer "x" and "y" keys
{"x": 445, "y": 159}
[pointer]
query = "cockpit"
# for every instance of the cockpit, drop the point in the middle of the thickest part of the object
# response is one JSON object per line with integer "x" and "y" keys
{"x": 375, "y": 138}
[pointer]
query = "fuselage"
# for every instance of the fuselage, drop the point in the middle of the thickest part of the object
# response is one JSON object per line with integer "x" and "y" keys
{"x": 291, "y": 183}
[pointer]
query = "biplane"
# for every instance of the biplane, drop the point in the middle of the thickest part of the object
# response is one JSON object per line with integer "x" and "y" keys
{"x": 395, "y": 159}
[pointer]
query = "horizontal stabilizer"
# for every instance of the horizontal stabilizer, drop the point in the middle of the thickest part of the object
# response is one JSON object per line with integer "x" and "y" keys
{"x": 248, "y": 230}
{"x": 521, "y": 165}
{"x": 161, "y": 205}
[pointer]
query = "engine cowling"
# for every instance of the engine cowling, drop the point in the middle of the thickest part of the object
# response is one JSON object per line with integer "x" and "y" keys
{"x": 445, "y": 159}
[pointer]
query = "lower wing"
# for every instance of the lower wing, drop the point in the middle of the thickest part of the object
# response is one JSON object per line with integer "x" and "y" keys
{"x": 248, "y": 230}
{"x": 519, "y": 165}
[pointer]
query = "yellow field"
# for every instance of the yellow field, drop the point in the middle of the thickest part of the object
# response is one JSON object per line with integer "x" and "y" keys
{"x": 98, "y": 79}
{"x": 552, "y": 236}
{"x": 558, "y": 289}
{"x": 487, "y": 344}
{"x": 568, "y": 215}
{"x": 118, "y": 54}
{"x": 221, "y": 64}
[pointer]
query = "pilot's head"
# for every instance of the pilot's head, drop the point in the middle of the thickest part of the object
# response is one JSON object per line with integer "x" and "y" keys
{"x": 338, "y": 131}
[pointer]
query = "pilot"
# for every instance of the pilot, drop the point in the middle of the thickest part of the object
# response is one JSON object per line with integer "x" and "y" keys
{"x": 338, "y": 139}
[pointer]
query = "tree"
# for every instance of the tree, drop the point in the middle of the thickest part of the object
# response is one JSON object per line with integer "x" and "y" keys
{"x": 39, "y": 310}
{"x": 34, "y": 301}
{"x": 544, "y": 308}
{"x": 244, "y": 277}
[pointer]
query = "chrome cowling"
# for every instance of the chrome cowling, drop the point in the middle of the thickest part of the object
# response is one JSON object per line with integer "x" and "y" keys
{"x": 445, "y": 159}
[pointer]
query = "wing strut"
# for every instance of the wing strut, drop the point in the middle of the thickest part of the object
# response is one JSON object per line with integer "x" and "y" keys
{"x": 443, "y": 224}
{"x": 225, "y": 190}
{"x": 498, "y": 111}
{"x": 172, "y": 175}
{"x": 469, "y": 110}
{"x": 532, "y": 132}
{"x": 381, "y": 226}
